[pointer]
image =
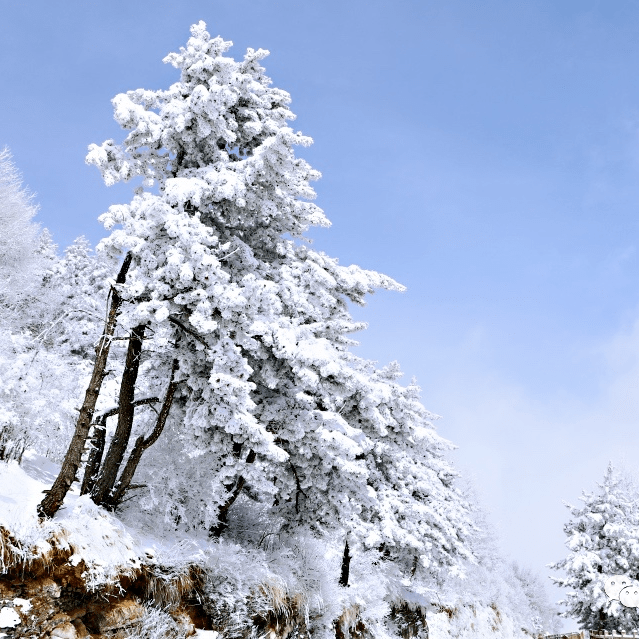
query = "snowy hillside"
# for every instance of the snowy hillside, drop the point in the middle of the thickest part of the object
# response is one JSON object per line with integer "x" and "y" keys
{"x": 187, "y": 441}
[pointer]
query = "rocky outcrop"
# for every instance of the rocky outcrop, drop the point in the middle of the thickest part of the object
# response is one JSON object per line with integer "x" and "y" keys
{"x": 45, "y": 607}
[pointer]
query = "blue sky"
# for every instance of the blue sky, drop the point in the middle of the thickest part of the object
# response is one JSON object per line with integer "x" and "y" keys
{"x": 486, "y": 155}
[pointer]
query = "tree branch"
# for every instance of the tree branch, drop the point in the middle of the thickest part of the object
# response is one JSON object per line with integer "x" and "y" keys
{"x": 109, "y": 412}
{"x": 188, "y": 330}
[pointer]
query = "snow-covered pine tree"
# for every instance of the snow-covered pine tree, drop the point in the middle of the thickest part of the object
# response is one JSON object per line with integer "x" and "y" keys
{"x": 245, "y": 328}
{"x": 603, "y": 540}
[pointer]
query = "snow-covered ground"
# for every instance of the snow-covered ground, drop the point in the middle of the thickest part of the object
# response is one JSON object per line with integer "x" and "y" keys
{"x": 109, "y": 548}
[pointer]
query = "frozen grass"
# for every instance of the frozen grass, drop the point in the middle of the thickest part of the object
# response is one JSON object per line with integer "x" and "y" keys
{"x": 156, "y": 624}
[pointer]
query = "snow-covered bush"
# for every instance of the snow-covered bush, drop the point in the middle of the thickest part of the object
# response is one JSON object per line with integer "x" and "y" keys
{"x": 45, "y": 344}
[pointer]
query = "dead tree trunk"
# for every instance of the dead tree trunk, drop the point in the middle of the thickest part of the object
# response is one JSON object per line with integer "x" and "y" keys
{"x": 346, "y": 566}
{"x": 123, "y": 484}
{"x": 126, "y": 406}
{"x": 56, "y": 494}
{"x": 92, "y": 468}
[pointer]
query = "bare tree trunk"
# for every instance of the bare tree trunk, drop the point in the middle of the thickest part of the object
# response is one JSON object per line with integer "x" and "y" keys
{"x": 92, "y": 468}
{"x": 120, "y": 441}
{"x": 223, "y": 513}
{"x": 142, "y": 443}
{"x": 95, "y": 456}
{"x": 346, "y": 566}
{"x": 56, "y": 494}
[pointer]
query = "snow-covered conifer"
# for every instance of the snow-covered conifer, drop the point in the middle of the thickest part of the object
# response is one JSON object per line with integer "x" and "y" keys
{"x": 233, "y": 316}
{"x": 80, "y": 283}
{"x": 603, "y": 540}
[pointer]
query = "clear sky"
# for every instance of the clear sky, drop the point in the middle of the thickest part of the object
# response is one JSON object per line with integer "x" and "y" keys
{"x": 485, "y": 154}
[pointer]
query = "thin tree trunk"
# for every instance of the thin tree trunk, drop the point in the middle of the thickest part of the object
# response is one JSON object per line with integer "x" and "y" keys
{"x": 56, "y": 494}
{"x": 120, "y": 441}
{"x": 92, "y": 468}
{"x": 142, "y": 444}
{"x": 95, "y": 456}
{"x": 346, "y": 566}
{"x": 223, "y": 513}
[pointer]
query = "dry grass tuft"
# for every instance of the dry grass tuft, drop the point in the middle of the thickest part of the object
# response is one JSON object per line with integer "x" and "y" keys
{"x": 17, "y": 559}
{"x": 410, "y": 620}
{"x": 278, "y": 614}
{"x": 168, "y": 588}
{"x": 350, "y": 625}
{"x": 497, "y": 622}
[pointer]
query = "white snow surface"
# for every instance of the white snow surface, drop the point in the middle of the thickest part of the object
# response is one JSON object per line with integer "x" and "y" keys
{"x": 8, "y": 617}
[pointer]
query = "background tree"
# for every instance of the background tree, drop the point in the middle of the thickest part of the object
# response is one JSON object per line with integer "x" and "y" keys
{"x": 19, "y": 261}
{"x": 45, "y": 302}
{"x": 603, "y": 540}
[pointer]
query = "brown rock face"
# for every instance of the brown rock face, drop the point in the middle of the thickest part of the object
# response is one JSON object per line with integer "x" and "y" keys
{"x": 116, "y": 615}
{"x": 65, "y": 630}
{"x": 80, "y": 629}
{"x": 42, "y": 587}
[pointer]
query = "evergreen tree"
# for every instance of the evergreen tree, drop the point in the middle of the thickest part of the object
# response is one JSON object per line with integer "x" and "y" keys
{"x": 242, "y": 332}
{"x": 603, "y": 540}
{"x": 80, "y": 282}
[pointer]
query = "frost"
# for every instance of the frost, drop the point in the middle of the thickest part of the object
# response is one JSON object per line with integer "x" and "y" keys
{"x": 264, "y": 444}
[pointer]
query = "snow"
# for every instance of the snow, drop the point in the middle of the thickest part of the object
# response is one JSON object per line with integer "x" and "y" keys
{"x": 23, "y": 604}
{"x": 8, "y": 617}
{"x": 256, "y": 328}
{"x": 95, "y": 536}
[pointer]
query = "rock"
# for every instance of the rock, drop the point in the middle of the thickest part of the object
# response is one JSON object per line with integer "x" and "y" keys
{"x": 80, "y": 629}
{"x": 44, "y": 587}
{"x": 65, "y": 630}
{"x": 118, "y": 615}
{"x": 60, "y": 617}
{"x": 6, "y": 591}
{"x": 184, "y": 623}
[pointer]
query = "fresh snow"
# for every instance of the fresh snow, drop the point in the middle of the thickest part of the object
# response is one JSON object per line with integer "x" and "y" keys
{"x": 8, "y": 617}
{"x": 106, "y": 545}
{"x": 281, "y": 444}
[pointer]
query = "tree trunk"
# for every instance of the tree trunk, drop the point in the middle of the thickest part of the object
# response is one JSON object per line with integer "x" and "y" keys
{"x": 142, "y": 444}
{"x": 120, "y": 441}
{"x": 56, "y": 494}
{"x": 223, "y": 513}
{"x": 346, "y": 566}
{"x": 95, "y": 456}
{"x": 92, "y": 468}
